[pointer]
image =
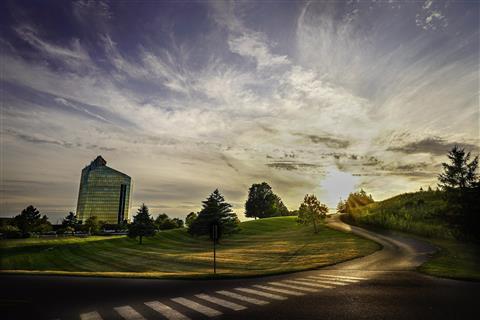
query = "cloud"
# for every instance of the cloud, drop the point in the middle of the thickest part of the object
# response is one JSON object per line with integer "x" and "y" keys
{"x": 244, "y": 41}
{"x": 39, "y": 140}
{"x": 430, "y": 17}
{"x": 74, "y": 55}
{"x": 78, "y": 108}
{"x": 329, "y": 141}
{"x": 434, "y": 145}
{"x": 292, "y": 165}
{"x": 253, "y": 45}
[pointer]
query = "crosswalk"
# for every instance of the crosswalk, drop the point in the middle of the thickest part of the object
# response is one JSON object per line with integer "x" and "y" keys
{"x": 237, "y": 299}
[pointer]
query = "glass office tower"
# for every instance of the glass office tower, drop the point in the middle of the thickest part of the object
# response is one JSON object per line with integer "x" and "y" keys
{"x": 104, "y": 193}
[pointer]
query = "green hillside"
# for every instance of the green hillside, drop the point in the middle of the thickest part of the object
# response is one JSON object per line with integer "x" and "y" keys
{"x": 425, "y": 215}
{"x": 265, "y": 246}
{"x": 422, "y": 213}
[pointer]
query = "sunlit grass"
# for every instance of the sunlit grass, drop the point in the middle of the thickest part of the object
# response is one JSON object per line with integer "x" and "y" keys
{"x": 264, "y": 246}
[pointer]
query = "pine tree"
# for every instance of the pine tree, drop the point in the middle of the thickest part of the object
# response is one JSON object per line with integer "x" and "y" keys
{"x": 143, "y": 225}
{"x": 461, "y": 173}
{"x": 214, "y": 211}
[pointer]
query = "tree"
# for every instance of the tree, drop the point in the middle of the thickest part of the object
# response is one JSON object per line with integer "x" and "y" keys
{"x": 356, "y": 200}
{"x": 28, "y": 220}
{"x": 263, "y": 203}
{"x": 312, "y": 211}
{"x": 10, "y": 231}
{"x": 190, "y": 218}
{"x": 460, "y": 173}
{"x": 70, "y": 220}
{"x": 160, "y": 221}
{"x": 92, "y": 224}
{"x": 461, "y": 187}
{"x": 163, "y": 222}
{"x": 43, "y": 225}
{"x": 341, "y": 206}
{"x": 142, "y": 225}
{"x": 178, "y": 222}
{"x": 214, "y": 211}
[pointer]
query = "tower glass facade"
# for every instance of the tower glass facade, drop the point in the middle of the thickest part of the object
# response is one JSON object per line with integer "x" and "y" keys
{"x": 104, "y": 193}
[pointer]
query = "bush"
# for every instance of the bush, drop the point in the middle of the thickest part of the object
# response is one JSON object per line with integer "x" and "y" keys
{"x": 10, "y": 232}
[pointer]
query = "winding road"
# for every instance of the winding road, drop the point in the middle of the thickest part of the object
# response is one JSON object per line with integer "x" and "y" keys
{"x": 383, "y": 285}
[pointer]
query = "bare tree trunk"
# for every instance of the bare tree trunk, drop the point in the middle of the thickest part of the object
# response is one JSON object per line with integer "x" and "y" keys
{"x": 315, "y": 225}
{"x": 140, "y": 239}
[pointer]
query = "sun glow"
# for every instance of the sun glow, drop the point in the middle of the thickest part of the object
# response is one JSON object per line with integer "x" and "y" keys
{"x": 336, "y": 185}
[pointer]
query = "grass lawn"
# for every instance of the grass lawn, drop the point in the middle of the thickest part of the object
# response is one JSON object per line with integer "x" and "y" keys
{"x": 266, "y": 246}
{"x": 455, "y": 259}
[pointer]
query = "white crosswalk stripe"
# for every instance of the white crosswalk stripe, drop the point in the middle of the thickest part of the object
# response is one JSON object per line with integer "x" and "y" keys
{"x": 310, "y": 284}
{"x": 166, "y": 311}
{"x": 240, "y": 297}
{"x": 221, "y": 302}
{"x": 341, "y": 277}
{"x": 128, "y": 313}
{"x": 209, "y": 312}
{"x": 331, "y": 278}
{"x": 291, "y": 286}
{"x": 334, "y": 282}
{"x": 262, "y": 293}
{"x": 285, "y": 291}
{"x": 90, "y": 316}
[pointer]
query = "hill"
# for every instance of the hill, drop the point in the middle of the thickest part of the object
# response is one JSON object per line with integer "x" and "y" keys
{"x": 425, "y": 214}
{"x": 265, "y": 246}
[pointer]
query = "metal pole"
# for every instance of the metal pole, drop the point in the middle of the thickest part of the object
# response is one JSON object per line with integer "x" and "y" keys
{"x": 214, "y": 249}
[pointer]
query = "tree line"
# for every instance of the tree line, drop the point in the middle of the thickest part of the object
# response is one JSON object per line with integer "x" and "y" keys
{"x": 262, "y": 202}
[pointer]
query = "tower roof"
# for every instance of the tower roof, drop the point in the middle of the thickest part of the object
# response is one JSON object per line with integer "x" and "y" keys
{"x": 98, "y": 162}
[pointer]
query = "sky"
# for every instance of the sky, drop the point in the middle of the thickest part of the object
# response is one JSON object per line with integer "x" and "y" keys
{"x": 321, "y": 97}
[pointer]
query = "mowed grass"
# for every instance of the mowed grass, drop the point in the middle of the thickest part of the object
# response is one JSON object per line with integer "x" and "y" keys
{"x": 266, "y": 246}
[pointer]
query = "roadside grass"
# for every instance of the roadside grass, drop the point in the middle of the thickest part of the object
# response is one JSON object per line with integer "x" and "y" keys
{"x": 455, "y": 259}
{"x": 422, "y": 214}
{"x": 266, "y": 246}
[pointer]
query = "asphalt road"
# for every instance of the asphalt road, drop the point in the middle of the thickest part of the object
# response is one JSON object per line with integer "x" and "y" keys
{"x": 383, "y": 285}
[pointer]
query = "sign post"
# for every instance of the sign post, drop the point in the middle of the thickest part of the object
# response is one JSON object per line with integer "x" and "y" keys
{"x": 215, "y": 238}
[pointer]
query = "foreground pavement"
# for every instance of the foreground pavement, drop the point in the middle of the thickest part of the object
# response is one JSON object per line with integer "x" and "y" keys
{"x": 383, "y": 285}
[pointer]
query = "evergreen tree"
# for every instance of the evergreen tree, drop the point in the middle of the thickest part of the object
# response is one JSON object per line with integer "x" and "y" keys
{"x": 461, "y": 187}
{"x": 214, "y": 211}
{"x": 460, "y": 172}
{"x": 142, "y": 225}
{"x": 312, "y": 211}
{"x": 70, "y": 220}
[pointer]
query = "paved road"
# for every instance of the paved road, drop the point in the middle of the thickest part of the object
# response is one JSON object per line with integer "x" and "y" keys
{"x": 383, "y": 285}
